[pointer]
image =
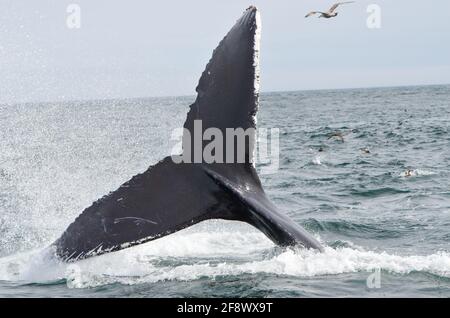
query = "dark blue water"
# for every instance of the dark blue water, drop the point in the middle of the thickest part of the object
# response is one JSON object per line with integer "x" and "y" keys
{"x": 379, "y": 199}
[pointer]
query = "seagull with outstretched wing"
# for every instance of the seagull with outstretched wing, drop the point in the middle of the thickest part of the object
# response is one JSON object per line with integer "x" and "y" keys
{"x": 331, "y": 13}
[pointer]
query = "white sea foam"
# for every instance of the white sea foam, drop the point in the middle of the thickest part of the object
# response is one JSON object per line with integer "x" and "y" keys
{"x": 317, "y": 160}
{"x": 202, "y": 252}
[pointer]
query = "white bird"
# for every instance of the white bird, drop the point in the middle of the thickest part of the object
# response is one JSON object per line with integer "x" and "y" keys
{"x": 330, "y": 13}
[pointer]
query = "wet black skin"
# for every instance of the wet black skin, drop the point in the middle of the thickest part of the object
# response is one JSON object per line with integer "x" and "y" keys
{"x": 171, "y": 196}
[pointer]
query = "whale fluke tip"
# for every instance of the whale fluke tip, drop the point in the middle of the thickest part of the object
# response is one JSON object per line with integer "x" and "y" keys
{"x": 174, "y": 194}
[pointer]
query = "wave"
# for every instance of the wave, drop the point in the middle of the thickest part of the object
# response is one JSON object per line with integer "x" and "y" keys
{"x": 201, "y": 253}
{"x": 351, "y": 229}
{"x": 372, "y": 193}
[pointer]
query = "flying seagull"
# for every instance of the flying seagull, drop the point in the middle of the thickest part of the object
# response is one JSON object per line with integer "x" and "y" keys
{"x": 330, "y": 13}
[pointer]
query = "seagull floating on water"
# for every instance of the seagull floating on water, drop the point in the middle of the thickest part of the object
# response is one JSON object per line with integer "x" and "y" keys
{"x": 337, "y": 135}
{"x": 330, "y": 13}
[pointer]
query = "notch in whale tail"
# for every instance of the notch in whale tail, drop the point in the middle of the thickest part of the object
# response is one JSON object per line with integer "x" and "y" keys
{"x": 171, "y": 196}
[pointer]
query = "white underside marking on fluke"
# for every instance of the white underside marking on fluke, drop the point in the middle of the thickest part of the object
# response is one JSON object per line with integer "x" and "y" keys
{"x": 256, "y": 83}
{"x": 131, "y": 218}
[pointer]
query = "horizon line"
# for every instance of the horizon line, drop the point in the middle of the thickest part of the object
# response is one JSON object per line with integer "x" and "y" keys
{"x": 194, "y": 94}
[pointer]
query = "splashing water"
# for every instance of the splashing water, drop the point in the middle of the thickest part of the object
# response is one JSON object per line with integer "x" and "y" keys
{"x": 56, "y": 159}
{"x": 198, "y": 252}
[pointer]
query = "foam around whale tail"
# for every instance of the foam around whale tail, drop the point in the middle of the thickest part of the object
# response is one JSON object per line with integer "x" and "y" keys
{"x": 175, "y": 194}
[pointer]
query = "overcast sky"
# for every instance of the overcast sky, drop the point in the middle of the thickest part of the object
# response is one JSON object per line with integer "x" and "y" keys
{"x": 159, "y": 48}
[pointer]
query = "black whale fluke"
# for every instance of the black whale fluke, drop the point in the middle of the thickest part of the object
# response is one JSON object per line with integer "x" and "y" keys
{"x": 171, "y": 196}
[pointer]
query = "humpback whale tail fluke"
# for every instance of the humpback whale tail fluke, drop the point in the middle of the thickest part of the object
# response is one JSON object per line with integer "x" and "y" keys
{"x": 183, "y": 190}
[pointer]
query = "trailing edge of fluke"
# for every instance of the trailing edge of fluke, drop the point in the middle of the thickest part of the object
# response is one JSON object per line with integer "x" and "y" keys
{"x": 171, "y": 196}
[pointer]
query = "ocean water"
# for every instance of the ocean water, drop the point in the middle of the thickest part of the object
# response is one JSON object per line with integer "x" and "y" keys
{"x": 386, "y": 233}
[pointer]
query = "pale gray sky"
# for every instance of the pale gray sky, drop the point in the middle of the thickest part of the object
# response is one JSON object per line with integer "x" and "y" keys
{"x": 153, "y": 48}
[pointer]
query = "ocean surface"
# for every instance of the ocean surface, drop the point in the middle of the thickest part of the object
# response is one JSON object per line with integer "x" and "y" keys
{"x": 386, "y": 230}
